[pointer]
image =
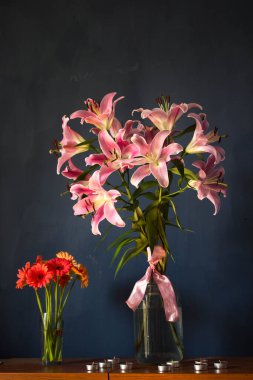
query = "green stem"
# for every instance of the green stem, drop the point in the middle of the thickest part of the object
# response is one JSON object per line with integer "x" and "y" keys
{"x": 177, "y": 340}
{"x": 56, "y": 301}
{"x": 39, "y": 303}
{"x": 176, "y": 192}
{"x": 126, "y": 185}
{"x": 67, "y": 296}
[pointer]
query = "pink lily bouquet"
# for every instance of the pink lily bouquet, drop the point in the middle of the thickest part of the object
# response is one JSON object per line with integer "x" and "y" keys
{"x": 137, "y": 170}
{"x": 149, "y": 159}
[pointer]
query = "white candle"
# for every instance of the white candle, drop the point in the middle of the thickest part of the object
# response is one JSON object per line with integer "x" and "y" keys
{"x": 200, "y": 366}
{"x": 162, "y": 368}
{"x": 92, "y": 367}
{"x": 221, "y": 364}
{"x": 103, "y": 364}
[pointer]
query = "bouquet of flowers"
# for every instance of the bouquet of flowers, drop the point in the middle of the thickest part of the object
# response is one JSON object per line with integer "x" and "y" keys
{"x": 150, "y": 163}
{"x": 57, "y": 276}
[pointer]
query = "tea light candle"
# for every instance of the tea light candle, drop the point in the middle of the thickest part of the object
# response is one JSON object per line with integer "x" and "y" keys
{"x": 162, "y": 368}
{"x": 92, "y": 367}
{"x": 103, "y": 365}
{"x": 200, "y": 366}
{"x": 221, "y": 364}
{"x": 126, "y": 366}
{"x": 123, "y": 366}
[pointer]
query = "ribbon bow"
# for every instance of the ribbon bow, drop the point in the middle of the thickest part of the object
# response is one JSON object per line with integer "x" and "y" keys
{"x": 163, "y": 283}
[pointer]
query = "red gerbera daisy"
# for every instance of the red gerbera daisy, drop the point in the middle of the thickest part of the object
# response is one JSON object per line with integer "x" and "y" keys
{"x": 38, "y": 276}
{"x": 64, "y": 280}
{"x": 59, "y": 267}
{"x": 22, "y": 276}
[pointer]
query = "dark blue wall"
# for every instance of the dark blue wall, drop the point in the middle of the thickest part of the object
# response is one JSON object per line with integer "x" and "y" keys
{"x": 53, "y": 56}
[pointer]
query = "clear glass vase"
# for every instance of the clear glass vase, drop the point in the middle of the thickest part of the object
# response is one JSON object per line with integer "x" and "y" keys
{"x": 156, "y": 339}
{"x": 52, "y": 340}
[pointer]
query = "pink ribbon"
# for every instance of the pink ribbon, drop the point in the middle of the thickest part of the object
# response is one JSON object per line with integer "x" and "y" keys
{"x": 163, "y": 283}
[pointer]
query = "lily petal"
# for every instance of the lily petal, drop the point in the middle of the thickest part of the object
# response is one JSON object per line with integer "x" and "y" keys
{"x": 215, "y": 199}
{"x": 141, "y": 143}
{"x": 106, "y": 103}
{"x": 81, "y": 114}
{"x": 105, "y": 172}
{"x": 71, "y": 171}
{"x": 97, "y": 218}
{"x": 94, "y": 181}
{"x": 94, "y": 159}
{"x": 108, "y": 145}
{"x": 170, "y": 150}
{"x": 139, "y": 174}
{"x": 83, "y": 207}
{"x": 157, "y": 143}
{"x": 160, "y": 172}
{"x": 112, "y": 215}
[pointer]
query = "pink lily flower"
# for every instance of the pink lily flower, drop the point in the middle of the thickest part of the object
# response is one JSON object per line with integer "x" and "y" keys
{"x": 99, "y": 201}
{"x": 165, "y": 120}
{"x": 115, "y": 156}
{"x": 128, "y": 131}
{"x": 101, "y": 115}
{"x": 71, "y": 144}
{"x": 71, "y": 171}
{"x": 209, "y": 183}
{"x": 154, "y": 158}
{"x": 80, "y": 188}
{"x": 200, "y": 142}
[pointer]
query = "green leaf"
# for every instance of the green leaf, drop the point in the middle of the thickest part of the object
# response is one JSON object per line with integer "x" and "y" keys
{"x": 120, "y": 246}
{"x": 168, "y": 223}
{"x": 151, "y": 206}
{"x": 119, "y": 238}
{"x": 187, "y": 173}
{"x": 151, "y": 227}
{"x": 180, "y": 166}
{"x": 189, "y": 129}
{"x": 162, "y": 234}
{"x": 150, "y": 195}
{"x": 128, "y": 255}
{"x": 175, "y": 212}
{"x": 143, "y": 186}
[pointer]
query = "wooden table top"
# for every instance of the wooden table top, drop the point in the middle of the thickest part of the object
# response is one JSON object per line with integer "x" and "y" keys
{"x": 75, "y": 369}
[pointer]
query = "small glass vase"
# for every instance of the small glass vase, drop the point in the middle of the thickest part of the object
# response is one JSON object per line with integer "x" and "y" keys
{"x": 52, "y": 340}
{"x": 156, "y": 339}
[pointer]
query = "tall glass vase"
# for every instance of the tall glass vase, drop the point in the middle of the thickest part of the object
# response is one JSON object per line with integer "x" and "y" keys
{"x": 52, "y": 340}
{"x": 156, "y": 339}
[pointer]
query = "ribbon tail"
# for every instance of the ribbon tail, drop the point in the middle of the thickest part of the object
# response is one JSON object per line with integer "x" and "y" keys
{"x": 139, "y": 290}
{"x": 168, "y": 296}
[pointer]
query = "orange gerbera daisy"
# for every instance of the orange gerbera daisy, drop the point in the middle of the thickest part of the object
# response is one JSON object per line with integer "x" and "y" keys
{"x": 82, "y": 273}
{"x": 38, "y": 276}
{"x": 64, "y": 255}
{"x": 22, "y": 275}
{"x": 59, "y": 267}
